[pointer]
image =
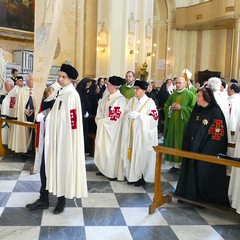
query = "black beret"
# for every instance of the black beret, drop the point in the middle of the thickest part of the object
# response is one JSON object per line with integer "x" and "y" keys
{"x": 69, "y": 70}
{"x": 116, "y": 81}
{"x": 142, "y": 84}
{"x": 18, "y": 77}
{"x": 233, "y": 80}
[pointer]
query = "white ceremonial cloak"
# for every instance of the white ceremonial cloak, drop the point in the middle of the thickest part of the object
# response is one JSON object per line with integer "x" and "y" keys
{"x": 234, "y": 184}
{"x": 20, "y": 136}
{"x": 64, "y": 146}
{"x": 41, "y": 130}
{"x": 8, "y": 106}
{"x": 108, "y": 137}
{"x": 222, "y": 101}
{"x": 234, "y": 116}
{"x": 145, "y": 136}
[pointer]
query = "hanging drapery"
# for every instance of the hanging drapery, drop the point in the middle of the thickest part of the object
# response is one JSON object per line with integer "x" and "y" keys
{"x": 47, "y": 24}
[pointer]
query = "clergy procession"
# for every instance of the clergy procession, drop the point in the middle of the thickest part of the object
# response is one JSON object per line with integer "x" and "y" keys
{"x": 202, "y": 119}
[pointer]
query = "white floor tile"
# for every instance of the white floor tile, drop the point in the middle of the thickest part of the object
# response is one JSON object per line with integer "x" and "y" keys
{"x": 140, "y": 217}
{"x": 174, "y": 184}
{"x": 6, "y": 166}
{"x": 1, "y": 210}
{"x": 103, "y": 233}
{"x": 216, "y": 217}
{"x": 16, "y": 233}
{"x": 69, "y": 217}
{"x": 196, "y": 232}
{"x": 7, "y": 185}
{"x": 19, "y": 199}
{"x": 123, "y": 187}
{"x": 98, "y": 200}
{"x": 25, "y": 176}
{"x": 165, "y": 167}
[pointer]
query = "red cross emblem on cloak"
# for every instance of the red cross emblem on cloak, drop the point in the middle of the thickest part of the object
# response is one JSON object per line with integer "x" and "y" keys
{"x": 73, "y": 118}
{"x": 12, "y": 102}
{"x": 114, "y": 114}
{"x": 154, "y": 114}
{"x": 216, "y": 129}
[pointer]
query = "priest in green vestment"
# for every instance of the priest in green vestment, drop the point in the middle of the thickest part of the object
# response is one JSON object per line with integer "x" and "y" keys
{"x": 177, "y": 111}
{"x": 127, "y": 89}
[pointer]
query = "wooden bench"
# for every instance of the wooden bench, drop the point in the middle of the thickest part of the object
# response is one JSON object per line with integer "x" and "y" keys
{"x": 159, "y": 199}
{"x": 3, "y": 152}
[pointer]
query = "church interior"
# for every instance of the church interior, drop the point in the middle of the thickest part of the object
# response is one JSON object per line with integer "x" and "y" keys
{"x": 156, "y": 39}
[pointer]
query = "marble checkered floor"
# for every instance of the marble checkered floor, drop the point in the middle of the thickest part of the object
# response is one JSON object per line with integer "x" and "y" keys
{"x": 113, "y": 211}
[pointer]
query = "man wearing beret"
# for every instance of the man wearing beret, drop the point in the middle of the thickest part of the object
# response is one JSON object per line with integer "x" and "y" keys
{"x": 138, "y": 136}
{"x": 20, "y": 136}
{"x": 64, "y": 146}
{"x": 109, "y": 126}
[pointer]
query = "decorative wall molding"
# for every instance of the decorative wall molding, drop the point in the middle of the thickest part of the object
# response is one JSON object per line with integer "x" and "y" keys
{"x": 13, "y": 34}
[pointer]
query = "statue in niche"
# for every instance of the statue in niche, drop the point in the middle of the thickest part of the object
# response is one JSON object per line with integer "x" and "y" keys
{"x": 131, "y": 24}
{"x": 149, "y": 29}
{"x": 142, "y": 72}
{"x": 3, "y": 63}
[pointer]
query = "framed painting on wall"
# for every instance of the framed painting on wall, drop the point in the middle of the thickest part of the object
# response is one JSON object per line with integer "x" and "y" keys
{"x": 17, "y": 19}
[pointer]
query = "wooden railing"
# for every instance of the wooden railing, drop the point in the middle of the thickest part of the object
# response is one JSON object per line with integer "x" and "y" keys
{"x": 25, "y": 124}
{"x": 159, "y": 199}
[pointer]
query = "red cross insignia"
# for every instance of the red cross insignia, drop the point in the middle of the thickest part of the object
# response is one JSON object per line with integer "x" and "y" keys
{"x": 114, "y": 114}
{"x": 154, "y": 114}
{"x": 12, "y": 102}
{"x": 73, "y": 118}
{"x": 216, "y": 129}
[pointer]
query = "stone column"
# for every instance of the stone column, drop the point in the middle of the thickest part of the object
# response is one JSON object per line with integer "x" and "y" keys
{"x": 117, "y": 57}
{"x": 236, "y": 51}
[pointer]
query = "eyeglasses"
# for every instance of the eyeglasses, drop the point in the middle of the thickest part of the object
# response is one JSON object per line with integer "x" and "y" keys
{"x": 179, "y": 82}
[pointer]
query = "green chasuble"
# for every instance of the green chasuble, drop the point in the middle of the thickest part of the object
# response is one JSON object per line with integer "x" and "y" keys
{"x": 127, "y": 92}
{"x": 193, "y": 90}
{"x": 176, "y": 121}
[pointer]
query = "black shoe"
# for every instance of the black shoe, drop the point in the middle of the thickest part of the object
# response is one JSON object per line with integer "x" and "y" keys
{"x": 59, "y": 207}
{"x": 112, "y": 179}
{"x": 180, "y": 201}
{"x": 173, "y": 170}
{"x": 99, "y": 174}
{"x": 37, "y": 205}
{"x": 131, "y": 183}
{"x": 140, "y": 182}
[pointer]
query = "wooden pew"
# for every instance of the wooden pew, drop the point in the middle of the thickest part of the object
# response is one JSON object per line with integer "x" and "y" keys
{"x": 3, "y": 152}
{"x": 159, "y": 199}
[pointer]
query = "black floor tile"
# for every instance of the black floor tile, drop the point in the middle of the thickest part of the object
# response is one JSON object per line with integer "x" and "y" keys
{"x": 27, "y": 186}
{"x": 62, "y": 233}
{"x": 170, "y": 176}
{"x": 20, "y": 217}
{"x": 152, "y": 233}
{"x": 103, "y": 217}
{"x": 4, "y": 196}
{"x": 166, "y": 187}
{"x": 182, "y": 216}
{"x": 91, "y": 167}
{"x": 133, "y": 199}
{"x": 228, "y": 232}
{"x": 9, "y": 175}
